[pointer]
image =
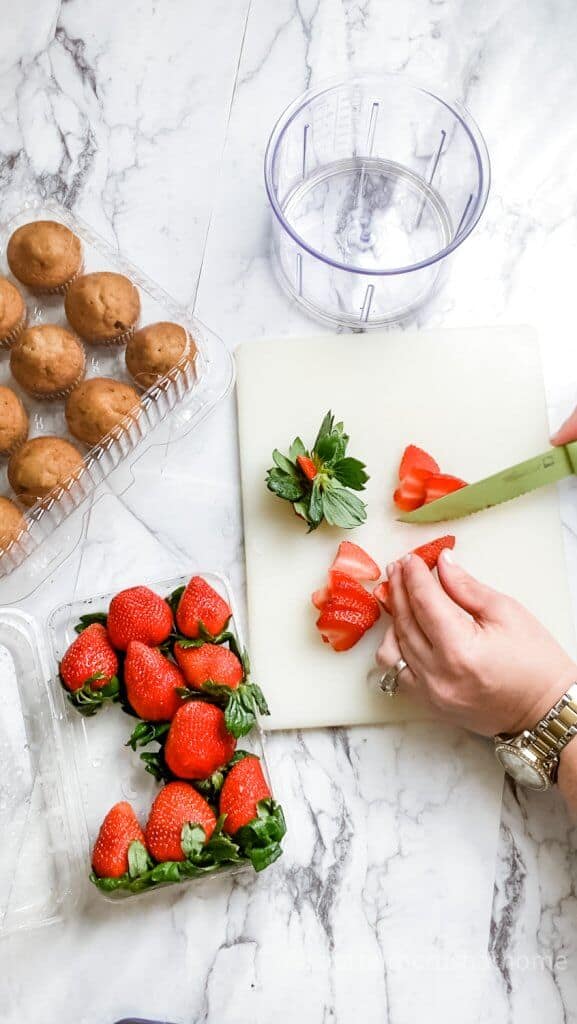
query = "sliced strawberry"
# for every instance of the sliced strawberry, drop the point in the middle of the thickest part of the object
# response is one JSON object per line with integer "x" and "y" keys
{"x": 440, "y": 484}
{"x": 416, "y": 458}
{"x": 343, "y": 624}
{"x": 410, "y": 494}
{"x": 430, "y": 552}
{"x": 382, "y": 594}
{"x": 307, "y": 466}
{"x": 319, "y": 597}
{"x": 342, "y": 586}
{"x": 351, "y": 559}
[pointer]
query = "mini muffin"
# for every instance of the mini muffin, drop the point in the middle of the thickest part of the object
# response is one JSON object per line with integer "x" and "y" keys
{"x": 12, "y": 522}
{"x": 13, "y": 421}
{"x": 45, "y": 255}
{"x": 47, "y": 361}
{"x": 97, "y": 406}
{"x": 103, "y": 308}
{"x": 42, "y": 464}
{"x": 12, "y": 313}
{"x": 154, "y": 350}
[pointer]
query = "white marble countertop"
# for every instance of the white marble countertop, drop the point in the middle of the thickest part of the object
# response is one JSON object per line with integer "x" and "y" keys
{"x": 399, "y": 895}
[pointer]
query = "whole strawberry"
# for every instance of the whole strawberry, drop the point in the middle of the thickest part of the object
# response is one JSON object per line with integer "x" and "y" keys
{"x": 209, "y": 663}
{"x": 138, "y": 614}
{"x": 176, "y": 805}
{"x": 243, "y": 788}
{"x": 90, "y": 658}
{"x": 250, "y": 814}
{"x": 118, "y": 831}
{"x": 201, "y": 606}
{"x": 151, "y": 682}
{"x": 198, "y": 742}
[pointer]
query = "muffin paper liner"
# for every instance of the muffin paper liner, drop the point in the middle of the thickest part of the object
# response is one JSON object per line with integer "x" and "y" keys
{"x": 121, "y": 339}
{"x": 12, "y": 337}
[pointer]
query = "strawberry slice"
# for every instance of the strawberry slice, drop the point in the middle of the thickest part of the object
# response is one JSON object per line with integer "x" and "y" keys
{"x": 307, "y": 466}
{"x": 320, "y": 596}
{"x": 341, "y": 585}
{"x": 411, "y": 492}
{"x": 440, "y": 484}
{"x": 355, "y": 562}
{"x": 417, "y": 459}
{"x": 429, "y": 553}
{"x": 342, "y": 628}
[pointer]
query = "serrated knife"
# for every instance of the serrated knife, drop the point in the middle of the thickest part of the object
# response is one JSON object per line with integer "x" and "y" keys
{"x": 510, "y": 483}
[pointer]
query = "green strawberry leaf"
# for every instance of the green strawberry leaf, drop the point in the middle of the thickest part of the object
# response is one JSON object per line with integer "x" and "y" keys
{"x": 173, "y": 599}
{"x": 156, "y": 766}
{"x": 89, "y": 699}
{"x": 351, "y": 473}
{"x": 324, "y": 430}
{"x": 284, "y": 486}
{"x": 139, "y": 861}
{"x": 89, "y": 620}
{"x": 147, "y": 732}
{"x": 316, "y": 503}
{"x": 284, "y": 464}
{"x": 260, "y": 840}
{"x": 297, "y": 448}
{"x": 341, "y": 508}
{"x": 192, "y": 839}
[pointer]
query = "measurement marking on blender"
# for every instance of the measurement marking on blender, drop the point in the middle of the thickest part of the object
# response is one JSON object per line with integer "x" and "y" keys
{"x": 464, "y": 213}
{"x": 436, "y": 159}
{"x": 299, "y": 274}
{"x": 367, "y": 303}
{"x": 306, "y": 131}
{"x": 372, "y": 128}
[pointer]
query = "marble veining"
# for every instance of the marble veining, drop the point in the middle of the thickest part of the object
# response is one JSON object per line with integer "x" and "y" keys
{"x": 150, "y": 120}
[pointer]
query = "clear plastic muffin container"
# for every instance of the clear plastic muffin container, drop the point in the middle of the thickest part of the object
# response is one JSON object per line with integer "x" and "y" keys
{"x": 61, "y": 773}
{"x": 170, "y": 409}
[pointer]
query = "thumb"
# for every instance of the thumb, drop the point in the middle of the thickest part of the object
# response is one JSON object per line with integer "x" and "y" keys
{"x": 568, "y": 431}
{"x": 473, "y": 597}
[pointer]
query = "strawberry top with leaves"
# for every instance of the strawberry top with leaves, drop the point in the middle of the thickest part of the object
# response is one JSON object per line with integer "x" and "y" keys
{"x": 198, "y": 742}
{"x": 177, "y": 805}
{"x": 209, "y": 663}
{"x": 90, "y": 658}
{"x": 138, "y": 614}
{"x": 152, "y": 682}
{"x": 319, "y": 483}
{"x": 119, "y": 829}
{"x": 201, "y": 606}
{"x": 243, "y": 788}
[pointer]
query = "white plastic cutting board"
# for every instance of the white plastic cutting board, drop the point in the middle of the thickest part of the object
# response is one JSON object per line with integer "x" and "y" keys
{"x": 475, "y": 400}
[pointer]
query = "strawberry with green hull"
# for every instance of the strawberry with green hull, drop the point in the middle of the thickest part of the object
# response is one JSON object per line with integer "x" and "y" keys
{"x": 219, "y": 673}
{"x": 152, "y": 683}
{"x": 198, "y": 742}
{"x": 430, "y": 555}
{"x": 120, "y": 848}
{"x": 177, "y": 805}
{"x": 319, "y": 483}
{"x": 250, "y": 815}
{"x": 89, "y": 670}
{"x": 199, "y": 608}
{"x": 138, "y": 614}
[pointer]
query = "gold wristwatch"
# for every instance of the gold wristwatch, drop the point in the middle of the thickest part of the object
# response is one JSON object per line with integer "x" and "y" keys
{"x": 532, "y": 758}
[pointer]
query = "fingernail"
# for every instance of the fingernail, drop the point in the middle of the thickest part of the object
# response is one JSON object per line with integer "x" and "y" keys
{"x": 407, "y": 558}
{"x": 447, "y": 556}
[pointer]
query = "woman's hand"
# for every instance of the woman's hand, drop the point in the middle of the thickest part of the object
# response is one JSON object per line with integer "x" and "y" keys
{"x": 478, "y": 658}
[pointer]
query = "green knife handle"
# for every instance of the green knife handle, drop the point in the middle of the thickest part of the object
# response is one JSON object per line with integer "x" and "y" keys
{"x": 571, "y": 450}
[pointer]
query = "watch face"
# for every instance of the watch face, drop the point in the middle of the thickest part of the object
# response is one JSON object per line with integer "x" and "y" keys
{"x": 519, "y": 768}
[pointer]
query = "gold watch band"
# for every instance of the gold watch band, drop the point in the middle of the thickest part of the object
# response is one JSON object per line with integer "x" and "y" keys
{"x": 558, "y": 727}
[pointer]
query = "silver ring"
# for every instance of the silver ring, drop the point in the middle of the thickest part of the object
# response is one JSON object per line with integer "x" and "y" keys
{"x": 389, "y": 682}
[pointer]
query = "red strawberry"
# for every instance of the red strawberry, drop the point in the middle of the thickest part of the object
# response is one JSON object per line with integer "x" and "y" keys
{"x": 176, "y": 805}
{"x": 416, "y": 466}
{"x": 342, "y": 626}
{"x": 151, "y": 681}
{"x": 89, "y": 657}
{"x": 429, "y": 553}
{"x": 200, "y": 604}
{"x": 119, "y": 829}
{"x": 307, "y": 466}
{"x": 319, "y": 597}
{"x": 209, "y": 662}
{"x": 416, "y": 458}
{"x": 351, "y": 559}
{"x": 198, "y": 741}
{"x": 138, "y": 614}
{"x": 344, "y": 587}
{"x": 440, "y": 484}
{"x": 244, "y": 786}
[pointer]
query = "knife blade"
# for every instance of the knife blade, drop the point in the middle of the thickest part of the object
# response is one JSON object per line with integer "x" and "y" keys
{"x": 547, "y": 468}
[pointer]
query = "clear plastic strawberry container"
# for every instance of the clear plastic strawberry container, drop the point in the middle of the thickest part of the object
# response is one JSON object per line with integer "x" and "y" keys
{"x": 170, "y": 409}
{"x": 61, "y": 773}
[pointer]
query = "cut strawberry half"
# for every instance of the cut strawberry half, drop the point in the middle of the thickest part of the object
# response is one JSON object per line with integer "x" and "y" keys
{"x": 430, "y": 555}
{"x": 355, "y": 562}
{"x": 307, "y": 466}
{"x": 410, "y": 494}
{"x": 343, "y": 587}
{"x": 341, "y": 627}
{"x": 382, "y": 594}
{"x": 416, "y": 459}
{"x": 440, "y": 484}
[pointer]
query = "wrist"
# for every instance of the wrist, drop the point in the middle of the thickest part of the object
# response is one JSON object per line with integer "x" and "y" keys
{"x": 551, "y": 693}
{"x": 567, "y": 777}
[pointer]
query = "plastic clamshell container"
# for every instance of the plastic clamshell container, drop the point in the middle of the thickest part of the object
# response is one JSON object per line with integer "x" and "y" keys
{"x": 61, "y": 773}
{"x": 170, "y": 409}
